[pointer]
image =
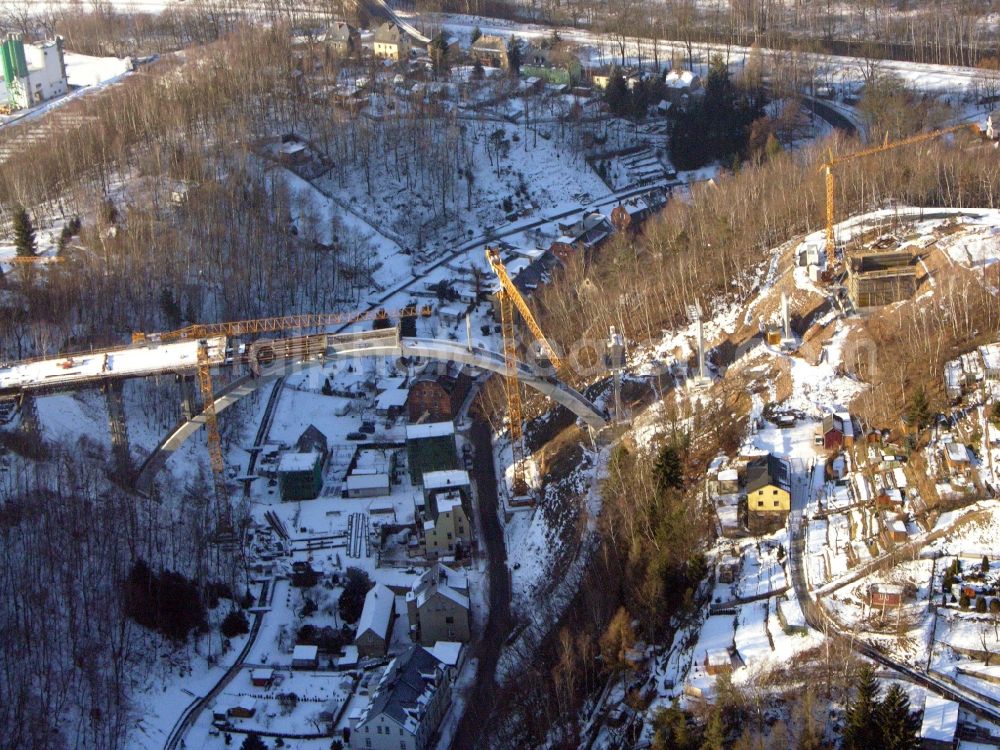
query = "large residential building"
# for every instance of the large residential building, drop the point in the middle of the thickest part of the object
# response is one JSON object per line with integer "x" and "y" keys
{"x": 300, "y": 475}
{"x": 375, "y": 626}
{"x": 391, "y": 42}
{"x": 343, "y": 39}
{"x": 438, "y": 606}
{"x": 34, "y": 73}
{"x": 445, "y": 518}
{"x": 490, "y": 51}
{"x": 406, "y": 705}
{"x": 437, "y": 396}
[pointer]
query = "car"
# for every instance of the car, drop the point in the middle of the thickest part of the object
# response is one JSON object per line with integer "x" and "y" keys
{"x": 356, "y": 436}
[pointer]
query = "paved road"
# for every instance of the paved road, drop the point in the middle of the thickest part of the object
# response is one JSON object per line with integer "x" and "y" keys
{"x": 190, "y": 716}
{"x": 479, "y": 704}
{"x": 520, "y": 226}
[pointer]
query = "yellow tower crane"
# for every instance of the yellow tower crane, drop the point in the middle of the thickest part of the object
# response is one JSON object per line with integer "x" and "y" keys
{"x": 510, "y": 298}
{"x": 885, "y": 146}
{"x": 225, "y": 519}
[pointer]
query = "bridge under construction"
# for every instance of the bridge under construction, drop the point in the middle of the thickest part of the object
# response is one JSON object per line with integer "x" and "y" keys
{"x": 263, "y": 360}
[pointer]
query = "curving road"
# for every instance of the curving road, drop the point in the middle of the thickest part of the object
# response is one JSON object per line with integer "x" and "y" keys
{"x": 817, "y": 617}
{"x": 191, "y": 714}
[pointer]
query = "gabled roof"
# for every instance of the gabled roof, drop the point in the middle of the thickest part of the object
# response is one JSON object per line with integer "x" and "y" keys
{"x": 832, "y": 422}
{"x": 341, "y": 31}
{"x": 389, "y": 33}
{"x": 405, "y": 689}
{"x": 377, "y": 612}
{"x": 442, "y": 580}
{"x": 763, "y": 471}
{"x": 310, "y": 439}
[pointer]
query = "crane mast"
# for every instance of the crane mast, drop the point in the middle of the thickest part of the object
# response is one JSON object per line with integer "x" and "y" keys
{"x": 511, "y": 298}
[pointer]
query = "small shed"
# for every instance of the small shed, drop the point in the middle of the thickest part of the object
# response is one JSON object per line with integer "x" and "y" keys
{"x": 885, "y": 595}
{"x": 717, "y": 660}
{"x": 244, "y": 708}
{"x": 305, "y": 657}
{"x": 261, "y": 677}
{"x": 729, "y": 481}
{"x": 367, "y": 485}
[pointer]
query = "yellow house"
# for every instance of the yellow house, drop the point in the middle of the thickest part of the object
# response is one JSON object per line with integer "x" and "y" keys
{"x": 391, "y": 42}
{"x": 446, "y": 526}
{"x": 768, "y": 503}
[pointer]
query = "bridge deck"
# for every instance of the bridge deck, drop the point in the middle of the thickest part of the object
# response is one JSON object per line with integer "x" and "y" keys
{"x": 77, "y": 370}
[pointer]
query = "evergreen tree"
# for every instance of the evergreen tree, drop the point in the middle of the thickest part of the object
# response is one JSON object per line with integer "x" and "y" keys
{"x": 253, "y": 742}
{"x": 476, "y": 34}
{"x": 986, "y": 564}
{"x": 617, "y": 95}
{"x": 515, "y": 55}
{"x": 861, "y": 730}
{"x": 668, "y": 470}
{"x": 24, "y": 233}
{"x": 671, "y": 730}
{"x": 439, "y": 53}
{"x": 919, "y": 410}
{"x": 715, "y": 736}
{"x": 899, "y": 725}
{"x": 234, "y": 624}
{"x": 352, "y": 600}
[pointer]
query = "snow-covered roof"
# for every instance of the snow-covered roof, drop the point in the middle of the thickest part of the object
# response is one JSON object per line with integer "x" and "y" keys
{"x": 405, "y": 689}
{"x": 887, "y": 589}
{"x": 429, "y": 430}
{"x": 350, "y": 657}
{"x": 792, "y": 612}
{"x": 377, "y": 612}
{"x": 957, "y": 452}
{"x": 899, "y": 477}
{"x": 298, "y": 461}
{"x": 718, "y": 657}
{"x": 447, "y": 652}
{"x": 305, "y": 653}
{"x": 991, "y": 356}
{"x": 940, "y": 719}
{"x": 368, "y": 482}
{"x": 894, "y": 495}
{"x": 436, "y": 480}
{"x": 261, "y": 674}
{"x": 898, "y": 527}
{"x": 446, "y": 502}
{"x": 848, "y": 425}
{"x": 392, "y": 398}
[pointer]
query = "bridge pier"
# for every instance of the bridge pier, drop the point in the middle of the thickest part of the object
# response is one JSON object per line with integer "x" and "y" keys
{"x": 189, "y": 400}
{"x": 29, "y": 418}
{"x": 118, "y": 426}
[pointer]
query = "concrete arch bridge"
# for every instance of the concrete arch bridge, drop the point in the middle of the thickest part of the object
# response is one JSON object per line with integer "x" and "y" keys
{"x": 271, "y": 359}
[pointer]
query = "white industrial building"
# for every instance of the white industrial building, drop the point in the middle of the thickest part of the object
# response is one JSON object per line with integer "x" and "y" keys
{"x": 34, "y": 73}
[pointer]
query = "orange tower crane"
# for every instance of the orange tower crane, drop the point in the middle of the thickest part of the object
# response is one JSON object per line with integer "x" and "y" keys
{"x": 885, "y": 146}
{"x": 510, "y": 298}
